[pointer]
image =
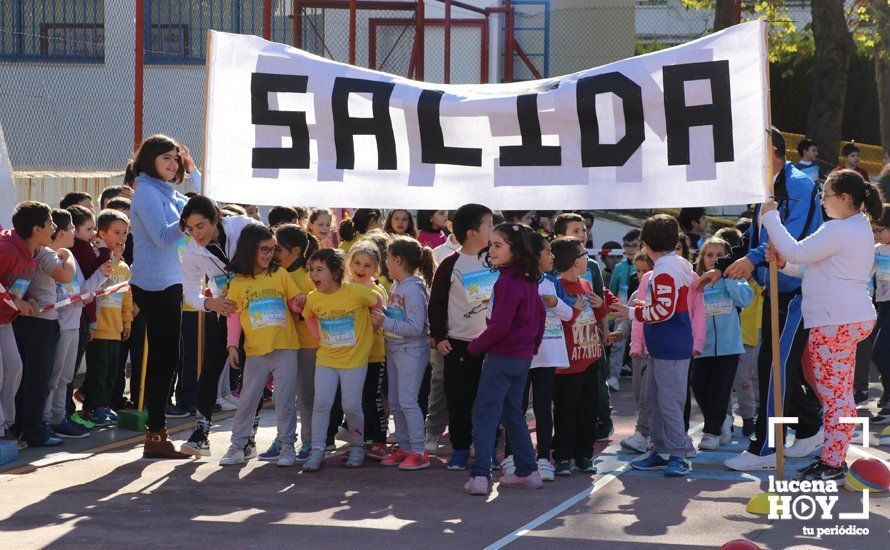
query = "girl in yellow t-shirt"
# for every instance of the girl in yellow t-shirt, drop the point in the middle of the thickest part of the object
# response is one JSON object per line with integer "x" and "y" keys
{"x": 364, "y": 263}
{"x": 295, "y": 246}
{"x": 341, "y": 314}
{"x": 264, "y": 297}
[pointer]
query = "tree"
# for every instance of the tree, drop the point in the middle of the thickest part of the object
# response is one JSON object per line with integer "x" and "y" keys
{"x": 833, "y": 48}
{"x": 880, "y": 10}
{"x": 726, "y": 13}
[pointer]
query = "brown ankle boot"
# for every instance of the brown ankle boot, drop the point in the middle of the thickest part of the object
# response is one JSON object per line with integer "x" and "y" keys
{"x": 158, "y": 446}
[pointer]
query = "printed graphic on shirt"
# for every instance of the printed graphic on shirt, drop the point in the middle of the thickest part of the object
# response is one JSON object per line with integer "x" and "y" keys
{"x": 337, "y": 332}
{"x": 222, "y": 281}
{"x": 479, "y": 284}
{"x": 396, "y": 308}
{"x": 585, "y": 335}
{"x": 267, "y": 312}
{"x": 19, "y": 288}
{"x": 663, "y": 291}
{"x": 552, "y": 326}
{"x": 717, "y": 301}
{"x": 67, "y": 290}
{"x": 180, "y": 247}
{"x": 882, "y": 262}
{"x": 115, "y": 301}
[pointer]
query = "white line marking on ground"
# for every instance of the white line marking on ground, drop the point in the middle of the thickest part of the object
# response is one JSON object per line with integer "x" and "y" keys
{"x": 618, "y": 467}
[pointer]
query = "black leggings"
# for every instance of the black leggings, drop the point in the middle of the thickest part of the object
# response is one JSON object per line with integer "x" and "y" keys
{"x": 163, "y": 321}
{"x": 541, "y": 381}
{"x": 215, "y": 357}
{"x": 712, "y": 379}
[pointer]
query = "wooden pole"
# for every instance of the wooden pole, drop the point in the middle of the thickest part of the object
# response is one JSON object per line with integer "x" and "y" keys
{"x": 775, "y": 329}
{"x": 142, "y": 374}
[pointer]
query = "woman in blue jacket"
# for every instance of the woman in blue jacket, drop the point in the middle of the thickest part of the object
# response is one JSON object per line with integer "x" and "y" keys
{"x": 714, "y": 370}
{"x": 156, "y": 277}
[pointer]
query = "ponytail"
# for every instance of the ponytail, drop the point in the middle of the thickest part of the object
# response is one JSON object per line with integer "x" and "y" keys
{"x": 865, "y": 195}
{"x": 347, "y": 229}
{"x": 292, "y": 236}
{"x": 427, "y": 265}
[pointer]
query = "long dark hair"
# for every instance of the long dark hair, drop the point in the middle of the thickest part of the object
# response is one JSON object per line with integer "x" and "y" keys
{"x": 519, "y": 239}
{"x": 415, "y": 257}
{"x": 425, "y": 221}
{"x": 359, "y": 222}
{"x": 290, "y": 236}
{"x": 412, "y": 228}
{"x": 244, "y": 260}
{"x": 153, "y": 147}
{"x": 203, "y": 206}
{"x": 866, "y": 196}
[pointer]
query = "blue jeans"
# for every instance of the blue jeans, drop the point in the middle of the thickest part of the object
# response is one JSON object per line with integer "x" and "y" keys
{"x": 881, "y": 347}
{"x": 499, "y": 398}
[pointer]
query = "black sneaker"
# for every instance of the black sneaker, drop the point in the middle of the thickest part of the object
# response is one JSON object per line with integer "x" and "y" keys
{"x": 860, "y": 397}
{"x": 604, "y": 431}
{"x": 197, "y": 445}
{"x": 820, "y": 471}
{"x": 585, "y": 465}
{"x": 174, "y": 411}
{"x": 883, "y": 416}
{"x": 748, "y": 427}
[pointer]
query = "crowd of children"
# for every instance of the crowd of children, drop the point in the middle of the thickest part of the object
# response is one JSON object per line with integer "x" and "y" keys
{"x": 458, "y": 319}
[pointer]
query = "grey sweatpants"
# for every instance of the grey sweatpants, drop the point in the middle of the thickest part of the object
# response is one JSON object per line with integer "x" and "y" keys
{"x": 745, "y": 383}
{"x": 282, "y": 365}
{"x": 306, "y": 392}
{"x": 640, "y": 366}
{"x": 405, "y": 366}
{"x": 351, "y": 382}
{"x": 665, "y": 397}
{"x": 437, "y": 413}
{"x": 63, "y": 372}
{"x": 616, "y": 357}
{"x": 10, "y": 376}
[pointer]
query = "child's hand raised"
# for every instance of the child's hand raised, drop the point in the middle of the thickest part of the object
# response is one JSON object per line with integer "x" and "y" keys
{"x": 233, "y": 357}
{"x": 549, "y": 301}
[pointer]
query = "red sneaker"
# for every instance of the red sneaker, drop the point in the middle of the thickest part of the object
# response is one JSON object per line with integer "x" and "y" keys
{"x": 395, "y": 458}
{"x": 378, "y": 451}
{"x": 415, "y": 461}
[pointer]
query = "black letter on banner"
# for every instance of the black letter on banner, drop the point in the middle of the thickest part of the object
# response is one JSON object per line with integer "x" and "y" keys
{"x": 679, "y": 117}
{"x": 297, "y": 155}
{"x": 531, "y": 152}
{"x": 432, "y": 143}
{"x": 379, "y": 125}
{"x": 594, "y": 153}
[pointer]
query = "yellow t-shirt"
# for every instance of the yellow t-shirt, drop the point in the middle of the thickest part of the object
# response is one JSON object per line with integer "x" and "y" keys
{"x": 378, "y": 352}
{"x": 752, "y": 316}
{"x": 115, "y": 311}
{"x": 267, "y": 322}
{"x": 346, "y": 245}
{"x": 344, "y": 323}
{"x": 385, "y": 283}
{"x": 301, "y": 277}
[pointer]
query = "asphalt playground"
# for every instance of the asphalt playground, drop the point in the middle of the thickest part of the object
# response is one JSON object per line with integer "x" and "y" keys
{"x": 99, "y": 492}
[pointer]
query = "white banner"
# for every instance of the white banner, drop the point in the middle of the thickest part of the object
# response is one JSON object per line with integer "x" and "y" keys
{"x": 8, "y": 194}
{"x": 679, "y": 127}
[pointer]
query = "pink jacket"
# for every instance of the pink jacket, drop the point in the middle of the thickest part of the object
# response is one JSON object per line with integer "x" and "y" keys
{"x": 696, "y": 304}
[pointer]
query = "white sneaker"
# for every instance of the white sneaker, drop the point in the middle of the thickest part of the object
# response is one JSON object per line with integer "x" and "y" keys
{"x": 749, "y": 462}
{"x": 637, "y": 443}
{"x": 233, "y": 456}
{"x": 508, "y": 466}
{"x": 225, "y": 405}
{"x": 472, "y": 451}
{"x": 230, "y": 397}
{"x": 726, "y": 432}
{"x": 709, "y": 442}
{"x": 806, "y": 446}
{"x": 546, "y": 469}
{"x": 613, "y": 383}
{"x": 287, "y": 456}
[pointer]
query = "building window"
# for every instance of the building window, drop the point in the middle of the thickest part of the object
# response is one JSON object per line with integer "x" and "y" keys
{"x": 52, "y": 30}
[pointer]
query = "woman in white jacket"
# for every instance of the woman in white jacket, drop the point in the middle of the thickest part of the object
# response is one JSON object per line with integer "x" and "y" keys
{"x": 835, "y": 263}
{"x": 205, "y": 264}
